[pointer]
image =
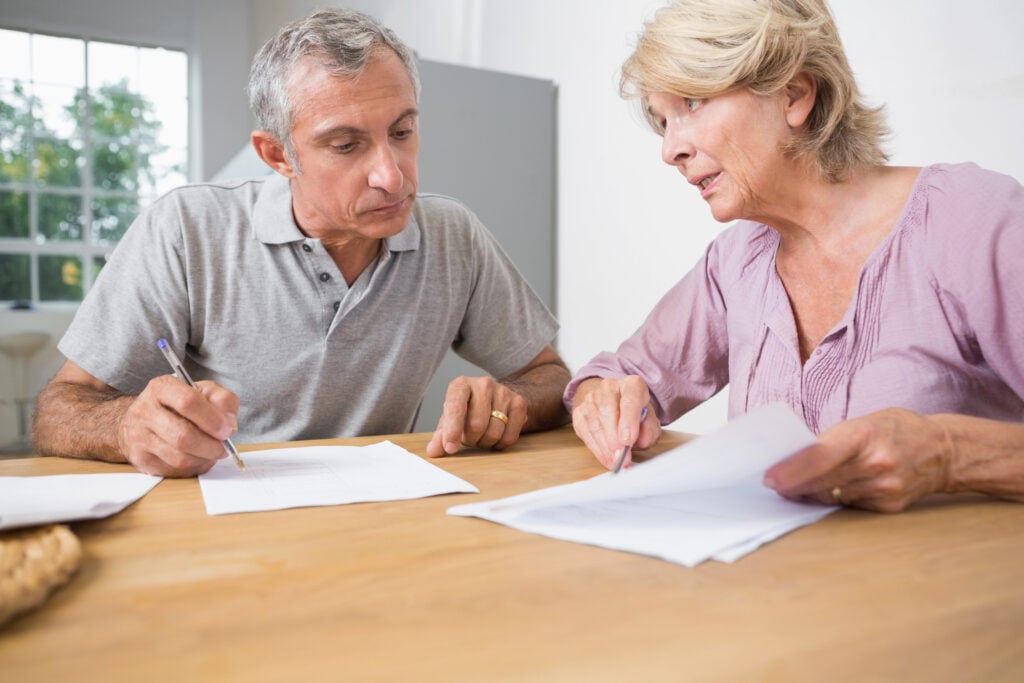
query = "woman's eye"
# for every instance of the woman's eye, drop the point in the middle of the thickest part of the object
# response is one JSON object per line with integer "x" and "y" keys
{"x": 693, "y": 104}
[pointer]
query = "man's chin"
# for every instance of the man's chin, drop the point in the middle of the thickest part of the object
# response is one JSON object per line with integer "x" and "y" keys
{"x": 390, "y": 225}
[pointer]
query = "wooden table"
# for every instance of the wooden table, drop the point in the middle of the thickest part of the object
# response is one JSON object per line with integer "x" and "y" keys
{"x": 401, "y": 592}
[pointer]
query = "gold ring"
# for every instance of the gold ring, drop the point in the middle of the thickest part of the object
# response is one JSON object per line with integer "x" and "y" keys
{"x": 837, "y": 493}
{"x": 500, "y": 415}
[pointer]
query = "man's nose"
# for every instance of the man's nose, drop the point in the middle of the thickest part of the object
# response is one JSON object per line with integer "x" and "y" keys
{"x": 385, "y": 173}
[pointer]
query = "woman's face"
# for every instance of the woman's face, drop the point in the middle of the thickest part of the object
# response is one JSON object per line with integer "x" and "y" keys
{"x": 729, "y": 147}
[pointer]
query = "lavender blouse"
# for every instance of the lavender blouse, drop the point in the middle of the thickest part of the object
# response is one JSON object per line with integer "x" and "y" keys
{"x": 936, "y": 324}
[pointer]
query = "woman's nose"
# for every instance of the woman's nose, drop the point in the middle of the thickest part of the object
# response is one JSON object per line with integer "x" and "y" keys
{"x": 676, "y": 147}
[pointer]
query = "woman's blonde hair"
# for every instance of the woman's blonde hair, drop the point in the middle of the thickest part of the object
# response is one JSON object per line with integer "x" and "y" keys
{"x": 702, "y": 48}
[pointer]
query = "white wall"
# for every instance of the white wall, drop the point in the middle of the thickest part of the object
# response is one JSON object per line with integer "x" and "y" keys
{"x": 951, "y": 73}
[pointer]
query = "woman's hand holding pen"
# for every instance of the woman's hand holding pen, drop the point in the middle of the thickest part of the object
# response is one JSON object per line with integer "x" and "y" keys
{"x": 173, "y": 430}
{"x": 608, "y": 414}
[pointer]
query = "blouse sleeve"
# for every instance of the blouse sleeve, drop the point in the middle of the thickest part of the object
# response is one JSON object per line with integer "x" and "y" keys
{"x": 976, "y": 244}
{"x": 680, "y": 350}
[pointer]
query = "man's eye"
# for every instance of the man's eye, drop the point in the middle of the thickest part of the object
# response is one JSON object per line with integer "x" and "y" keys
{"x": 404, "y": 133}
{"x": 693, "y": 104}
{"x": 344, "y": 148}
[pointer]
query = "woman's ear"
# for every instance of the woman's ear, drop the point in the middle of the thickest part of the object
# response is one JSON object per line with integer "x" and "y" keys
{"x": 272, "y": 152}
{"x": 801, "y": 93}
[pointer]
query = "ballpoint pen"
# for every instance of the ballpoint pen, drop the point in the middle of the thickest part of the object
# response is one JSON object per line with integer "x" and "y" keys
{"x": 620, "y": 455}
{"x": 180, "y": 373}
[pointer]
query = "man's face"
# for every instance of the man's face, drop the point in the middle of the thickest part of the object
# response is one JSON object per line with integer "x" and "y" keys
{"x": 356, "y": 143}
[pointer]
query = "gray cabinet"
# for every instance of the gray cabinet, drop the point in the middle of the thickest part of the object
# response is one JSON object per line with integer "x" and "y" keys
{"x": 489, "y": 140}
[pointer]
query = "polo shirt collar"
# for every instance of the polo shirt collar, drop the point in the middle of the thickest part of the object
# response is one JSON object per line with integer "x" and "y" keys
{"x": 274, "y": 223}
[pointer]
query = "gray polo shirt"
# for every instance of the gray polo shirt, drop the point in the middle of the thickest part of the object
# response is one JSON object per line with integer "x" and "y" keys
{"x": 224, "y": 274}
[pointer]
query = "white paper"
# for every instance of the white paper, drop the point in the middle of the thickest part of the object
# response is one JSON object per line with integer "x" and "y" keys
{"x": 25, "y": 501}
{"x": 274, "y": 479}
{"x": 704, "y": 499}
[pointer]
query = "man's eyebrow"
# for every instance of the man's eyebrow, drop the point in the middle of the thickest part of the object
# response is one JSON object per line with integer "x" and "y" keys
{"x": 411, "y": 111}
{"x": 354, "y": 130}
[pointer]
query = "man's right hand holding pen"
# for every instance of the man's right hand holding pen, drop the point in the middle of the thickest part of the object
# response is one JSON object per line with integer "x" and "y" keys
{"x": 173, "y": 430}
{"x": 169, "y": 429}
{"x": 610, "y": 414}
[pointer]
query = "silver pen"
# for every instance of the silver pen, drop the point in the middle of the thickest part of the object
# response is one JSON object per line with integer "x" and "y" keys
{"x": 180, "y": 373}
{"x": 620, "y": 455}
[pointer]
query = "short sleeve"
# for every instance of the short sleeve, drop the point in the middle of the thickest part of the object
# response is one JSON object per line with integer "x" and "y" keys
{"x": 139, "y": 297}
{"x": 506, "y": 324}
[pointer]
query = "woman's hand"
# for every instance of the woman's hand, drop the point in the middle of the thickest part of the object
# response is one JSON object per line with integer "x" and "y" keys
{"x": 606, "y": 416}
{"x": 885, "y": 461}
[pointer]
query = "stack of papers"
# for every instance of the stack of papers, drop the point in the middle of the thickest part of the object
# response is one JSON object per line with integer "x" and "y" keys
{"x": 279, "y": 478}
{"x": 704, "y": 499}
{"x": 25, "y": 501}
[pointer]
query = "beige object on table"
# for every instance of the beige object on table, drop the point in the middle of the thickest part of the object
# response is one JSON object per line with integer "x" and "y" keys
{"x": 33, "y": 562}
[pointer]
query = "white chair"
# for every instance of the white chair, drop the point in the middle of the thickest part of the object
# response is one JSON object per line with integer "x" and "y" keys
{"x": 20, "y": 347}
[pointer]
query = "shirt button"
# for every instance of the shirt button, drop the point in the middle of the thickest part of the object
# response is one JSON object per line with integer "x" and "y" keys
{"x": 306, "y": 247}
{"x": 337, "y": 305}
{"x": 324, "y": 277}
{"x": 817, "y": 352}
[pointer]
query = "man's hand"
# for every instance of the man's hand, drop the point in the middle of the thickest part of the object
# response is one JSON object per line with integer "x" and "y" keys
{"x": 171, "y": 429}
{"x": 472, "y": 416}
{"x": 606, "y": 416}
{"x": 483, "y": 412}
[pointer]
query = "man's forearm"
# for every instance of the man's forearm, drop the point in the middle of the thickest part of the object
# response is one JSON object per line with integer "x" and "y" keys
{"x": 79, "y": 421}
{"x": 542, "y": 388}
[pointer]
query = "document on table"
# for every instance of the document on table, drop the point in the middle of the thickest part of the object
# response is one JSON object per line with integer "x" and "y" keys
{"x": 704, "y": 499}
{"x": 49, "y": 499}
{"x": 306, "y": 476}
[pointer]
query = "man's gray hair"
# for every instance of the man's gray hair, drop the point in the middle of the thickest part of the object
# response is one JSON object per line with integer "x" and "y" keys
{"x": 342, "y": 40}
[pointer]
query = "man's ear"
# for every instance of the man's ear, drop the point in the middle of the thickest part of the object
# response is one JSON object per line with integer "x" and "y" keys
{"x": 801, "y": 93}
{"x": 272, "y": 152}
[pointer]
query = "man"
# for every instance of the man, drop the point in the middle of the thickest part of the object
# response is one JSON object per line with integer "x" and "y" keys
{"x": 314, "y": 303}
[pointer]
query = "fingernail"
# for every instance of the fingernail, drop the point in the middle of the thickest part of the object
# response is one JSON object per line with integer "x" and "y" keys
{"x": 626, "y": 435}
{"x": 451, "y": 447}
{"x": 769, "y": 482}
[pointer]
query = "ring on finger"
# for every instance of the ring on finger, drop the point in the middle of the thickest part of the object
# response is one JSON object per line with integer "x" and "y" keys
{"x": 497, "y": 414}
{"x": 837, "y": 493}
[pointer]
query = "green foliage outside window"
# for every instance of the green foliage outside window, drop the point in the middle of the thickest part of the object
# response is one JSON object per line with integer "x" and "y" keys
{"x": 80, "y": 187}
{"x": 14, "y": 277}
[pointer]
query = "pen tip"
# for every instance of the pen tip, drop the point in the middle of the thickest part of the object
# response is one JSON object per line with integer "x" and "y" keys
{"x": 162, "y": 343}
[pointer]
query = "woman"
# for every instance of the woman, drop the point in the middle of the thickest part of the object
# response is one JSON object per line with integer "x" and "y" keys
{"x": 883, "y": 304}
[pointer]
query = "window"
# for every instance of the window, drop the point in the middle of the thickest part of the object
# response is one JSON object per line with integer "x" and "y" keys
{"x": 89, "y": 133}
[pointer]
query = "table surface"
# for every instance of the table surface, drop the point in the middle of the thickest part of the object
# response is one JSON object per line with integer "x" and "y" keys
{"x": 399, "y": 591}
